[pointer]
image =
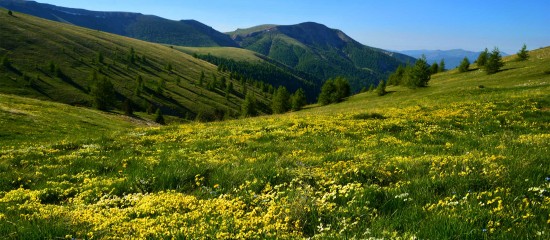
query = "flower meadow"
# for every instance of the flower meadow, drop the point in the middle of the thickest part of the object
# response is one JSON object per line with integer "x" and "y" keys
{"x": 451, "y": 161}
{"x": 462, "y": 170}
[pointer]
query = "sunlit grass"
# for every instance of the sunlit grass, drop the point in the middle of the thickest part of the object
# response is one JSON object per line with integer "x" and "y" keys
{"x": 451, "y": 161}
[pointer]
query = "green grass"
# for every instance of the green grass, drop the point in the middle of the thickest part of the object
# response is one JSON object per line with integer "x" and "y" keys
{"x": 450, "y": 161}
{"x": 28, "y": 122}
{"x": 32, "y": 43}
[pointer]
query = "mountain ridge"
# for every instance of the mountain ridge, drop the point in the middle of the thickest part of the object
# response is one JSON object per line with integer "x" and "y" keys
{"x": 136, "y": 25}
{"x": 321, "y": 51}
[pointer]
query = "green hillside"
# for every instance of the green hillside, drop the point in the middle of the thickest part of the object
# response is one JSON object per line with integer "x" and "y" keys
{"x": 26, "y": 122}
{"x": 322, "y": 52}
{"x": 135, "y": 25}
{"x": 464, "y": 158}
{"x": 251, "y": 65}
{"x": 171, "y": 79}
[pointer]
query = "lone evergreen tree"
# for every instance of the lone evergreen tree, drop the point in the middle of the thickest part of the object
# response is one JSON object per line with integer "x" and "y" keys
{"x": 298, "y": 99}
{"x": 381, "y": 89}
{"x": 103, "y": 94}
{"x": 441, "y": 66}
{"x": 494, "y": 62}
{"x": 420, "y": 74}
{"x": 159, "y": 118}
{"x": 10, "y": 13}
{"x": 523, "y": 54}
{"x": 464, "y": 65}
{"x": 281, "y": 101}
{"x": 482, "y": 58}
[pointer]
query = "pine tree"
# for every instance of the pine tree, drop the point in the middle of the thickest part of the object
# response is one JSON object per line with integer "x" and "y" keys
{"x": 441, "y": 66}
{"x": 100, "y": 58}
{"x": 10, "y": 13}
{"x": 464, "y": 65}
{"x": 371, "y": 88}
{"x": 298, "y": 100}
{"x": 343, "y": 88}
{"x": 494, "y": 62}
{"x": 128, "y": 108}
{"x": 328, "y": 89}
{"x": 248, "y": 107}
{"x": 159, "y": 118}
{"x": 381, "y": 89}
{"x": 51, "y": 67}
{"x": 132, "y": 56}
{"x": 482, "y": 58}
{"x": 139, "y": 85}
{"x": 434, "y": 68}
{"x": 201, "y": 79}
{"x": 523, "y": 54}
{"x": 6, "y": 61}
{"x": 420, "y": 74}
{"x": 281, "y": 101}
{"x": 223, "y": 82}
{"x": 395, "y": 78}
{"x": 103, "y": 93}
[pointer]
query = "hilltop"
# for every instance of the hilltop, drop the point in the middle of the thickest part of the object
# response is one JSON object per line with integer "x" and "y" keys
{"x": 57, "y": 61}
{"x": 321, "y": 51}
{"x": 135, "y": 25}
{"x": 464, "y": 158}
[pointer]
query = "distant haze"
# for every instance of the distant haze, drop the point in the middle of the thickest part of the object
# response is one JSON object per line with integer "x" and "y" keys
{"x": 452, "y": 57}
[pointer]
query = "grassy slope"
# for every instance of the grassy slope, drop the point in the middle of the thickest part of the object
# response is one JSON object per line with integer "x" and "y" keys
{"x": 31, "y": 43}
{"x": 451, "y": 161}
{"x": 26, "y": 122}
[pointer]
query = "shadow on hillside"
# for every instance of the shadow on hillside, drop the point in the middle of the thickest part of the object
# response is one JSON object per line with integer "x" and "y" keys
{"x": 11, "y": 68}
{"x": 70, "y": 81}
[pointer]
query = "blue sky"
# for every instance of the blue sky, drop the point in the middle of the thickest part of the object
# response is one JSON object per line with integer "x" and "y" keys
{"x": 388, "y": 24}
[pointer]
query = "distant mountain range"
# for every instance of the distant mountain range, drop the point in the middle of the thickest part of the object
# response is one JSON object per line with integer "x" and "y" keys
{"x": 308, "y": 47}
{"x": 452, "y": 57}
{"x": 134, "y": 25}
{"x": 321, "y": 51}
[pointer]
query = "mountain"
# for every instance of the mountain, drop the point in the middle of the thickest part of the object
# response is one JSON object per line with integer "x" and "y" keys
{"x": 134, "y": 25}
{"x": 321, "y": 51}
{"x": 452, "y": 57}
{"x": 57, "y": 61}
